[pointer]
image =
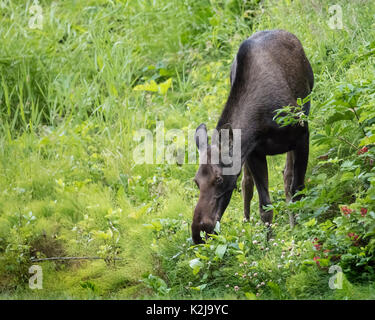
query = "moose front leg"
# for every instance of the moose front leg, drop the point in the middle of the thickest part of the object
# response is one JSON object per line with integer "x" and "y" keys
{"x": 257, "y": 164}
{"x": 247, "y": 191}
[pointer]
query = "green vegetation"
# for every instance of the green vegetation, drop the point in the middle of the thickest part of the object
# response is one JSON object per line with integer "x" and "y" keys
{"x": 73, "y": 93}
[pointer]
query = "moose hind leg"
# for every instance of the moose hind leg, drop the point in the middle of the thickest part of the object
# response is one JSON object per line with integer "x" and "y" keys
{"x": 247, "y": 191}
{"x": 300, "y": 155}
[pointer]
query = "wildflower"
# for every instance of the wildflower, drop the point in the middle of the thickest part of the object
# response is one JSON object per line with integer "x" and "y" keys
{"x": 316, "y": 259}
{"x": 267, "y": 224}
{"x": 363, "y": 212}
{"x": 318, "y": 246}
{"x": 346, "y": 211}
{"x": 362, "y": 151}
{"x": 243, "y": 230}
{"x": 267, "y": 249}
{"x": 262, "y": 283}
{"x": 236, "y": 274}
{"x": 275, "y": 244}
{"x": 227, "y": 286}
{"x": 282, "y": 241}
{"x": 258, "y": 294}
{"x": 279, "y": 266}
{"x": 258, "y": 285}
{"x": 244, "y": 276}
{"x": 255, "y": 242}
{"x": 255, "y": 274}
{"x": 353, "y": 235}
{"x": 245, "y": 262}
{"x": 236, "y": 288}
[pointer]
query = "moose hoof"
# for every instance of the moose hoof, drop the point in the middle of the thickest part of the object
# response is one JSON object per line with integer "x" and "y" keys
{"x": 266, "y": 216}
{"x": 269, "y": 234}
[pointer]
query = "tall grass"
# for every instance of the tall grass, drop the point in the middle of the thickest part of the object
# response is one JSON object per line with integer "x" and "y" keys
{"x": 68, "y": 113}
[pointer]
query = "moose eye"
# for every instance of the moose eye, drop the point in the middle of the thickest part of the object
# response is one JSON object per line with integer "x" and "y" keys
{"x": 196, "y": 182}
{"x": 218, "y": 180}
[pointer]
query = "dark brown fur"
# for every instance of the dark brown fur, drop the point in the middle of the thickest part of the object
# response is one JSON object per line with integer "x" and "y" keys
{"x": 269, "y": 71}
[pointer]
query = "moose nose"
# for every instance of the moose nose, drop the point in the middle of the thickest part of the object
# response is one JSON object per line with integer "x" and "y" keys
{"x": 205, "y": 225}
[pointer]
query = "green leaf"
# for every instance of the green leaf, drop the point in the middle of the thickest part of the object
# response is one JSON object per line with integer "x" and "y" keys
{"x": 276, "y": 291}
{"x": 324, "y": 262}
{"x": 196, "y": 265}
{"x": 310, "y": 223}
{"x": 367, "y": 140}
{"x": 250, "y": 296}
{"x": 201, "y": 256}
{"x": 199, "y": 288}
{"x": 241, "y": 245}
{"x": 220, "y": 250}
{"x": 150, "y": 86}
{"x": 340, "y": 115}
{"x": 156, "y": 283}
{"x": 163, "y": 87}
{"x": 347, "y": 176}
{"x": 217, "y": 227}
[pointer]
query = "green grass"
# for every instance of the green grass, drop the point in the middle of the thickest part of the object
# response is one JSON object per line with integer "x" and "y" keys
{"x": 68, "y": 113}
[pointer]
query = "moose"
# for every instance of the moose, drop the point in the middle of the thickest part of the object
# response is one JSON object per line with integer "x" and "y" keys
{"x": 270, "y": 71}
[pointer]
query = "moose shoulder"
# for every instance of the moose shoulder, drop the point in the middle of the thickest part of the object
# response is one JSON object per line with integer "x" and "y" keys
{"x": 269, "y": 71}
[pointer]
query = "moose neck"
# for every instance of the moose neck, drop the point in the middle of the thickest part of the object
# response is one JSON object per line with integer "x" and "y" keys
{"x": 238, "y": 118}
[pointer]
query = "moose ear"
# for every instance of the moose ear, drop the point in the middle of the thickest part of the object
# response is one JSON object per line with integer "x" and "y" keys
{"x": 226, "y": 136}
{"x": 201, "y": 138}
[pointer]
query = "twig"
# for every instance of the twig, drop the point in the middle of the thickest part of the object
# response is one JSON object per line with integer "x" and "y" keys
{"x": 72, "y": 258}
{"x": 360, "y": 125}
{"x": 346, "y": 141}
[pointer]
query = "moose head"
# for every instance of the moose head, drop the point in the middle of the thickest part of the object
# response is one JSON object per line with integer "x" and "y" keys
{"x": 215, "y": 182}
